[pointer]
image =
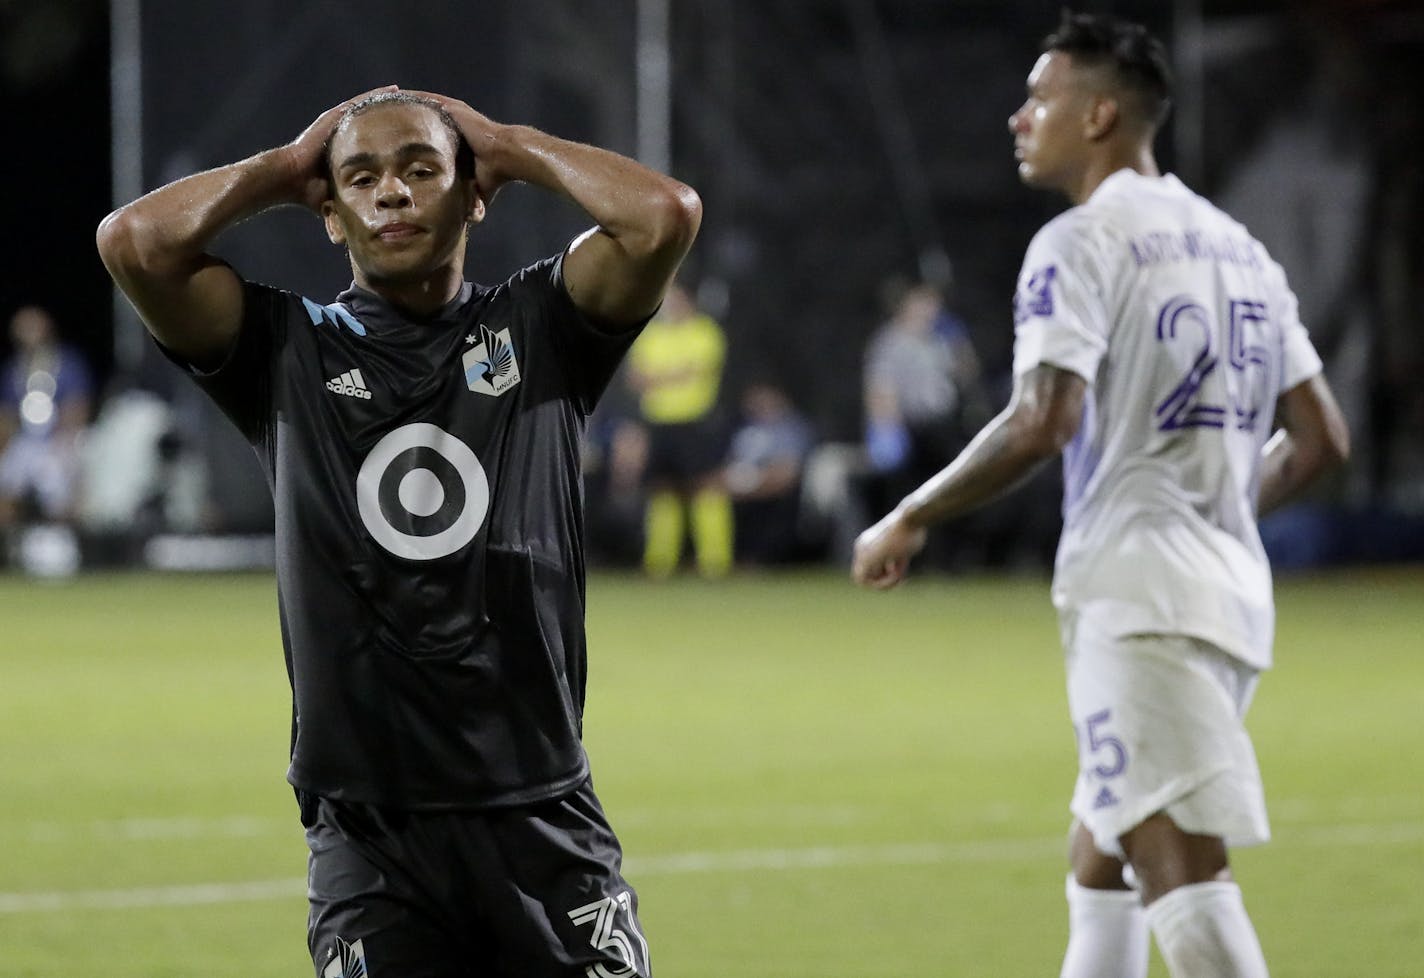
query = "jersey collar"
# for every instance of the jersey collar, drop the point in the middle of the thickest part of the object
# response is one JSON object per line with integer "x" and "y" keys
{"x": 372, "y": 309}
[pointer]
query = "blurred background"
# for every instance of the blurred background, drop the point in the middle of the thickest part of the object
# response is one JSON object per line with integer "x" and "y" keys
{"x": 860, "y": 200}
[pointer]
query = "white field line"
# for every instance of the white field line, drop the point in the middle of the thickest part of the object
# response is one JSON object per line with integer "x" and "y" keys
{"x": 733, "y": 861}
{"x": 151, "y": 896}
{"x": 151, "y": 829}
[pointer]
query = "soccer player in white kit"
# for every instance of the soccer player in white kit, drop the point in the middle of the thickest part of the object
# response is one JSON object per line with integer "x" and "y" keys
{"x": 1158, "y": 349}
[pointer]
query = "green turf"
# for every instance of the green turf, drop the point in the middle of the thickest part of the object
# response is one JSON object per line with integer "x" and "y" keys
{"x": 809, "y": 780}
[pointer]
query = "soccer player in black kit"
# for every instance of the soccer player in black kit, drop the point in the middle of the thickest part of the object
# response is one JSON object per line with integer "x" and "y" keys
{"x": 421, "y": 439}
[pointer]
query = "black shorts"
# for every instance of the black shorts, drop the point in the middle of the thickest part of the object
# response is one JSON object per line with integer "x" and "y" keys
{"x": 684, "y": 453}
{"x": 534, "y": 891}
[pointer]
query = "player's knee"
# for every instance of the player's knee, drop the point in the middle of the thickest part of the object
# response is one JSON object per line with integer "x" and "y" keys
{"x": 1092, "y": 868}
{"x": 1164, "y": 857}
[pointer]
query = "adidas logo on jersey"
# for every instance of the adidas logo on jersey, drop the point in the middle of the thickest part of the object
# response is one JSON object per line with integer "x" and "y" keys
{"x": 351, "y": 384}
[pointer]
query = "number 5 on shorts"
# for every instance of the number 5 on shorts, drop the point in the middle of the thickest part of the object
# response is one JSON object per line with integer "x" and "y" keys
{"x": 602, "y": 914}
{"x": 1099, "y": 741}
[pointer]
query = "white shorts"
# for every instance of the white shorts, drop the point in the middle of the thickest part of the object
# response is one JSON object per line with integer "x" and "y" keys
{"x": 1158, "y": 722}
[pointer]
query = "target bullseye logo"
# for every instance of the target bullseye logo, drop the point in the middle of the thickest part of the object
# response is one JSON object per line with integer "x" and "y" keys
{"x": 422, "y": 493}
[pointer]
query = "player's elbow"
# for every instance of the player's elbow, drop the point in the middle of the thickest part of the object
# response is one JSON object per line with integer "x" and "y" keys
{"x": 1332, "y": 447}
{"x": 1337, "y": 444}
{"x": 127, "y": 245}
{"x": 1317, "y": 426}
{"x": 674, "y": 217}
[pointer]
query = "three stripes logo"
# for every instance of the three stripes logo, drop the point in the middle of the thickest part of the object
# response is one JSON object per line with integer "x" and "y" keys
{"x": 351, "y": 383}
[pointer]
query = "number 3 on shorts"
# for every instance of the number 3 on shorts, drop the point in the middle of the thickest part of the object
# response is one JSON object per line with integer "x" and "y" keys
{"x": 1098, "y": 741}
{"x": 607, "y": 936}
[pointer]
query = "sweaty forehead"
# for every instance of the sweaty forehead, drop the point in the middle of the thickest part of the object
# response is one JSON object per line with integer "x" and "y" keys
{"x": 384, "y": 129}
{"x": 1051, "y": 71}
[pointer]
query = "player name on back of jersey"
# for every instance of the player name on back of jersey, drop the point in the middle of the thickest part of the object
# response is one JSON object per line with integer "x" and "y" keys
{"x": 350, "y": 383}
{"x": 1191, "y": 244}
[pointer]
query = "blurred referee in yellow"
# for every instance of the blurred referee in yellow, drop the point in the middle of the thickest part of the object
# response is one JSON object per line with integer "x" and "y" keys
{"x": 675, "y": 367}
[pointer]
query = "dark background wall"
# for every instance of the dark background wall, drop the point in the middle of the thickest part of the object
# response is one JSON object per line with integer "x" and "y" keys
{"x": 836, "y": 143}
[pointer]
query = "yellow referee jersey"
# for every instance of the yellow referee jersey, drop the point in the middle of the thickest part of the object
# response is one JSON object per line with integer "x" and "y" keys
{"x": 680, "y": 364}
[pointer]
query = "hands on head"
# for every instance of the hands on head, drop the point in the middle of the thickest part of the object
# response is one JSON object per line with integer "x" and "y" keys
{"x": 480, "y": 133}
{"x": 307, "y": 153}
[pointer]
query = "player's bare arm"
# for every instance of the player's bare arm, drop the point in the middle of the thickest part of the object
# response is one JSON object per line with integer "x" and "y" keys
{"x": 156, "y": 247}
{"x": 1313, "y": 438}
{"x": 619, "y": 270}
{"x": 1042, "y": 416}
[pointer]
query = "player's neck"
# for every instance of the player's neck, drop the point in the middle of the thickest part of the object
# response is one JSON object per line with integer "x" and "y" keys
{"x": 1137, "y": 158}
{"x": 421, "y": 297}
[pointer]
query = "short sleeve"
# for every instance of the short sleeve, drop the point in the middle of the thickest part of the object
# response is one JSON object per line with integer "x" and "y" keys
{"x": 1059, "y": 314}
{"x": 242, "y": 385}
{"x": 1299, "y": 361}
{"x": 589, "y": 349}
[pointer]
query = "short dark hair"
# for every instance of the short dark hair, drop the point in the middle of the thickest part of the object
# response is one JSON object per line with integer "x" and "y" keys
{"x": 1136, "y": 59}
{"x": 464, "y": 155}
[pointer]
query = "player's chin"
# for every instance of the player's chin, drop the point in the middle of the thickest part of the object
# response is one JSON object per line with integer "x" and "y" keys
{"x": 401, "y": 268}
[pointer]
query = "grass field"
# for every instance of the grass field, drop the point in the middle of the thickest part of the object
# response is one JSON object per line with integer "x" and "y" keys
{"x": 808, "y": 780}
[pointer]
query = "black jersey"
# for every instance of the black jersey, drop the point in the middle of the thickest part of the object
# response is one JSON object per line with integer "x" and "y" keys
{"x": 430, "y": 567}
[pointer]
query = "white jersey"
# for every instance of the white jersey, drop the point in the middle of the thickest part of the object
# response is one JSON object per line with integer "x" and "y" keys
{"x": 1186, "y": 332}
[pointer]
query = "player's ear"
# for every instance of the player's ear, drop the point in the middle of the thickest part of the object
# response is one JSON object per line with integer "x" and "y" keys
{"x": 475, "y": 213}
{"x": 1102, "y": 117}
{"x": 334, "y": 230}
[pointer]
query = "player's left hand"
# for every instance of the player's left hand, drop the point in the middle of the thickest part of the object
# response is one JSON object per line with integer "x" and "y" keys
{"x": 882, "y": 553}
{"x": 481, "y": 132}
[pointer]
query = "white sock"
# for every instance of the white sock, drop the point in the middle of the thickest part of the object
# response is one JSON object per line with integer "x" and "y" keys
{"x": 1107, "y": 934}
{"x": 1203, "y": 932}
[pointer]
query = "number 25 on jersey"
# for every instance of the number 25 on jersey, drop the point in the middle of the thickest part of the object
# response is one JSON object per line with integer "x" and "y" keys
{"x": 1189, "y": 328}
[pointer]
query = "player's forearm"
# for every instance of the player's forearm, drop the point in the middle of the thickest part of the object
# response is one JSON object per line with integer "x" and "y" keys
{"x": 1043, "y": 416}
{"x": 1001, "y": 457}
{"x": 645, "y": 211}
{"x": 166, "y": 232}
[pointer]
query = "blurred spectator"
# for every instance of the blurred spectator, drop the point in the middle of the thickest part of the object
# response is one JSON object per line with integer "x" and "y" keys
{"x": 615, "y": 451}
{"x": 920, "y": 373}
{"x": 140, "y": 475}
{"x": 675, "y": 366}
{"x": 45, "y": 395}
{"x": 764, "y": 471}
{"x": 919, "y": 367}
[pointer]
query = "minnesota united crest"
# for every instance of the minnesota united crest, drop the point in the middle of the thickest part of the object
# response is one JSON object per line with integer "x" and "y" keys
{"x": 347, "y": 961}
{"x": 490, "y": 366}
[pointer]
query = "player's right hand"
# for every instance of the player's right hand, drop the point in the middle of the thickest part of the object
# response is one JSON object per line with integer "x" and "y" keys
{"x": 881, "y": 558}
{"x": 306, "y": 155}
